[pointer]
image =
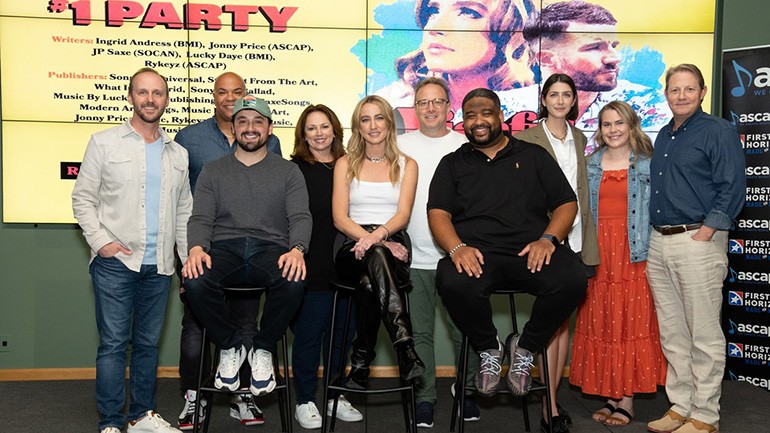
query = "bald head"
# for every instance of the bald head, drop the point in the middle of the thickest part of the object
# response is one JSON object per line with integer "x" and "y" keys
{"x": 228, "y": 87}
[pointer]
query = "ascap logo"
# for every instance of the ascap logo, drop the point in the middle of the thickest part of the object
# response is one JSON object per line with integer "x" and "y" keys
{"x": 758, "y": 171}
{"x": 748, "y": 329}
{"x": 750, "y": 117}
{"x": 754, "y": 224}
{"x": 749, "y": 277}
{"x": 756, "y": 381}
{"x": 759, "y": 79}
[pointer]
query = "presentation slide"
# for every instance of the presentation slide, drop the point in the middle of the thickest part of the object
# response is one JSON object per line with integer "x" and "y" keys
{"x": 65, "y": 65}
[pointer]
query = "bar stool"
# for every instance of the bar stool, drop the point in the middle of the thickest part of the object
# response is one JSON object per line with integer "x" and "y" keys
{"x": 282, "y": 381}
{"x": 458, "y": 405}
{"x": 406, "y": 389}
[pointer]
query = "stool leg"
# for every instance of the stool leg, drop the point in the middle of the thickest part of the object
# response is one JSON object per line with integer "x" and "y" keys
{"x": 198, "y": 396}
{"x": 515, "y": 327}
{"x": 458, "y": 402}
{"x": 327, "y": 367}
{"x": 285, "y": 398}
{"x": 547, "y": 383}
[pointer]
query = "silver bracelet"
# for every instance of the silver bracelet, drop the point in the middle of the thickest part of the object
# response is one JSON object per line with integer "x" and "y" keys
{"x": 454, "y": 250}
{"x": 386, "y": 230}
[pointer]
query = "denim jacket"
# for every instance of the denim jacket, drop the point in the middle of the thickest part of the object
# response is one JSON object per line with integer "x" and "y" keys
{"x": 638, "y": 200}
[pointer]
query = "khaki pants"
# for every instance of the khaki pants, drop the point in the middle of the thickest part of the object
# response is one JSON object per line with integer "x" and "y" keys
{"x": 686, "y": 278}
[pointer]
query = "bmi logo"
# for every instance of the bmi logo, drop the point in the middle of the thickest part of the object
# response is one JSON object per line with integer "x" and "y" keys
{"x": 735, "y": 298}
{"x": 735, "y": 350}
{"x": 736, "y": 246}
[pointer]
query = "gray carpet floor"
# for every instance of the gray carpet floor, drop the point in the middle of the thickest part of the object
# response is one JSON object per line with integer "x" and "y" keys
{"x": 68, "y": 407}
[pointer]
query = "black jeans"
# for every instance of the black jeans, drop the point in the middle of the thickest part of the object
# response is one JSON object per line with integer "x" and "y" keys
{"x": 559, "y": 287}
{"x": 244, "y": 262}
{"x": 243, "y": 310}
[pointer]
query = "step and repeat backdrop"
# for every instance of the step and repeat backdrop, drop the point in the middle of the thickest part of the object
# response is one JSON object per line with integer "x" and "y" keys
{"x": 64, "y": 65}
{"x": 746, "y": 310}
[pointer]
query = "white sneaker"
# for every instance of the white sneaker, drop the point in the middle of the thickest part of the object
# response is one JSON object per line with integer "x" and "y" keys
{"x": 307, "y": 416}
{"x": 345, "y": 411}
{"x": 242, "y": 408}
{"x": 110, "y": 430}
{"x": 185, "y": 421}
{"x": 151, "y": 423}
{"x": 230, "y": 362}
{"x": 262, "y": 374}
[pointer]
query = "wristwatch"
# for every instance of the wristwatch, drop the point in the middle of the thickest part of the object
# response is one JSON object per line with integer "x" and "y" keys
{"x": 300, "y": 248}
{"x": 551, "y": 238}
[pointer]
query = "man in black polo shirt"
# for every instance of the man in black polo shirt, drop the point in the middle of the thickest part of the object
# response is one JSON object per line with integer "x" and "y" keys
{"x": 489, "y": 207}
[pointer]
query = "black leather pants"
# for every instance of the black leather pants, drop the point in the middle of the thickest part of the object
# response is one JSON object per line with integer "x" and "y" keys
{"x": 380, "y": 280}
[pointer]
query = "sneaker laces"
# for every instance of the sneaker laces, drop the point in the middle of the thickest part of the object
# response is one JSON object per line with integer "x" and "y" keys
{"x": 232, "y": 357}
{"x": 264, "y": 361}
{"x": 251, "y": 407}
{"x": 490, "y": 364}
{"x": 522, "y": 363}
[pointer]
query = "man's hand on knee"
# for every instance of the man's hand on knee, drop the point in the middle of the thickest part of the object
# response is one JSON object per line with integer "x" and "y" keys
{"x": 193, "y": 267}
{"x": 293, "y": 265}
{"x": 469, "y": 260}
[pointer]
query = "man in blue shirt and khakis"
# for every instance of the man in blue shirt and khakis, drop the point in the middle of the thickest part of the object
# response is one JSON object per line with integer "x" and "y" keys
{"x": 697, "y": 189}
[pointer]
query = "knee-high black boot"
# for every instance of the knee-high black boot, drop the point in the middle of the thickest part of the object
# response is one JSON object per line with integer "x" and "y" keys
{"x": 367, "y": 326}
{"x": 382, "y": 269}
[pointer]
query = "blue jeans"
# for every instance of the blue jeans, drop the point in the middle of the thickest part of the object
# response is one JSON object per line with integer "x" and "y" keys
{"x": 311, "y": 337}
{"x": 244, "y": 262}
{"x": 130, "y": 306}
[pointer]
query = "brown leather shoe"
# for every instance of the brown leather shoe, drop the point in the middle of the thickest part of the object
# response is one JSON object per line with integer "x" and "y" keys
{"x": 669, "y": 423}
{"x": 694, "y": 426}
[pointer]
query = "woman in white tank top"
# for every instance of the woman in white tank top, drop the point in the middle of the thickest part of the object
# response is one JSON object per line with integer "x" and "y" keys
{"x": 374, "y": 188}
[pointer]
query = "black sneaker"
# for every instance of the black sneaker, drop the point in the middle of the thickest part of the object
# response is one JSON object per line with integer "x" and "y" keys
{"x": 243, "y": 409}
{"x": 424, "y": 413}
{"x": 471, "y": 410}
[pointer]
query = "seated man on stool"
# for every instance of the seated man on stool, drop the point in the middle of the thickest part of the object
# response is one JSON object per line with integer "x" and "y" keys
{"x": 250, "y": 226}
{"x": 501, "y": 207}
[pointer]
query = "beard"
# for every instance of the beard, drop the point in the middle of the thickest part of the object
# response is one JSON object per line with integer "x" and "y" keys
{"x": 252, "y": 146}
{"x": 588, "y": 83}
{"x": 494, "y": 134}
{"x": 145, "y": 118}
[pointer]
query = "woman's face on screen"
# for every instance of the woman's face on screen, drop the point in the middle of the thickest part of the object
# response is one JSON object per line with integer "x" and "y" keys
{"x": 456, "y": 34}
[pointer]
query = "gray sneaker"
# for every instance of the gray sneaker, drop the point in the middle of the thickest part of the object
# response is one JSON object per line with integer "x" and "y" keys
{"x": 518, "y": 377}
{"x": 487, "y": 380}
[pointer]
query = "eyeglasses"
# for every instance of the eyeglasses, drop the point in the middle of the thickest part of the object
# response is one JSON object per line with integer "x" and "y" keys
{"x": 423, "y": 103}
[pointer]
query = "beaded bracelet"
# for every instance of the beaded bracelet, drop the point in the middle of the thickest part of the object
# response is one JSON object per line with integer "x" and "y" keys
{"x": 454, "y": 250}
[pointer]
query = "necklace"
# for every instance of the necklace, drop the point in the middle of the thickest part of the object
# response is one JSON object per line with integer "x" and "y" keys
{"x": 327, "y": 165}
{"x": 376, "y": 160}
